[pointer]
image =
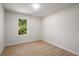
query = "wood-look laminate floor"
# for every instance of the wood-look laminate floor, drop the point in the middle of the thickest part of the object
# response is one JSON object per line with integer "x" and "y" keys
{"x": 35, "y": 48}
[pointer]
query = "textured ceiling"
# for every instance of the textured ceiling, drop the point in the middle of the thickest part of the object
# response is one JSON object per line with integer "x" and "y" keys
{"x": 44, "y": 10}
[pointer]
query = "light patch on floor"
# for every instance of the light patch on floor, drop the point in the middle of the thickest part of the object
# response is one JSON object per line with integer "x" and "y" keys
{"x": 35, "y": 48}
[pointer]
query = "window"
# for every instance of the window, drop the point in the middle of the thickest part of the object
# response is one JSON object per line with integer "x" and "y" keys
{"x": 22, "y": 25}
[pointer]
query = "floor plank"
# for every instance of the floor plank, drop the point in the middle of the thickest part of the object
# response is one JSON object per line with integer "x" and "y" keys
{"x": 35, "y": 48}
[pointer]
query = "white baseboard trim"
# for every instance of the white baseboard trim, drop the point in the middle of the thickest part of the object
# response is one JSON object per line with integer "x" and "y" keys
{"x": 2, "y": 50}
{"x": 62, "y": 47}
{"x": 21, "y": 42}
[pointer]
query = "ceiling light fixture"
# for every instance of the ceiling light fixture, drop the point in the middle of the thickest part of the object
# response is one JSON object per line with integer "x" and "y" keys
{"x": 36, "y": 6}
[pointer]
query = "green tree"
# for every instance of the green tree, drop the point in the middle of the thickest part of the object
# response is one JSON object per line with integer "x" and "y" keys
{"x": 22, "y": 26}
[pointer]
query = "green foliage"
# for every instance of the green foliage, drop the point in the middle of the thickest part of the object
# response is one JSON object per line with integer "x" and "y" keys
{"x": 22, "y": 26}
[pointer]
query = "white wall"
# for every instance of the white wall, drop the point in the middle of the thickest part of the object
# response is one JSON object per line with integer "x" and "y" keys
{"x": 1, "y": 29}
{"x": 62, "y": 28}
{"x": 11, "y": 28}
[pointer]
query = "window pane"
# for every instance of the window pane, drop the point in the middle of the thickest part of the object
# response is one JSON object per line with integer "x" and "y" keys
{"x": 22, "y": 25}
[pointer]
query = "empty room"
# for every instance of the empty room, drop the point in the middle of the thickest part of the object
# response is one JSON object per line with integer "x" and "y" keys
{"x": 39, "y": 29}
